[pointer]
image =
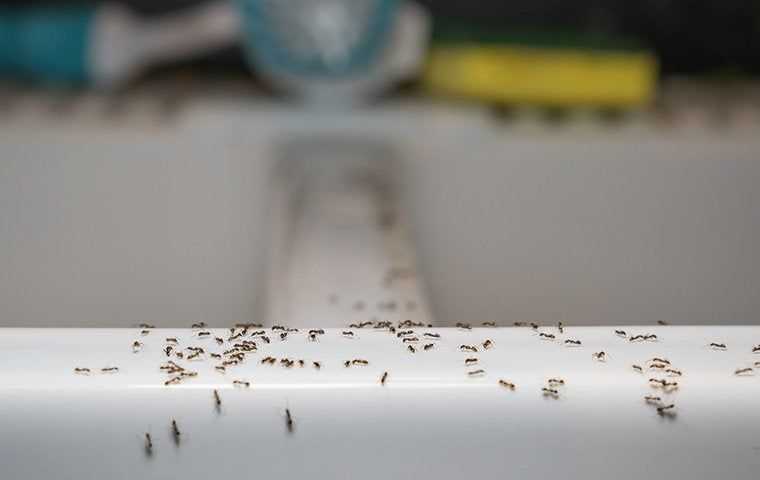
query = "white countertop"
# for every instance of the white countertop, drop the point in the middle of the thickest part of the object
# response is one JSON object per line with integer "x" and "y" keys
{"x": 430, "y": 420}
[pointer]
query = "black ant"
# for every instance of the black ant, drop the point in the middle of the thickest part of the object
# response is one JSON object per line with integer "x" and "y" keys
{"x": 638, "y": 368}
{"x": 283, "y": 336}
{"x": 756, "y": 349}
{"x": 172, "y": 340}
{"x": 489, "y": 324}
{"x": 411, "y": 348}
{"x": 347, "y": 333}
{"x": 136, "y": 346}
{"x": 215, "y": 355}
{"x": 288, "y": 420}
{"x": 410, "y": 339}
{"x": 659, "y": 360}
{"x": 652, "y": 400}
{"x": 600, "y": 356}
{"x": 172, "y": 381}
{"x": 666, "y": 409}
{"x": 621, "y": 333}
{"x": 572, "y": 342}
{"x": 673, "y": 372}
{"x": 488, "y": 344}
{"x": 476, "y": 373}
{"x": 465, "y": 326}
{"x": 559, "y": 327}
{"x": 221, "y": 368}
{"x": 662, "y": 322}
{"x": 742, "y": 371}
{"x": 109, "y": 369}
{"x": 550, "y": 392}
{"x": 650, "y": 338}
{"x": 204, "y": 334}
{"x": 383, "y": 378}
{"x": 145, "y": 325}
{"x": 219, "y": 340}
{"x": 468, "y": 348}
{"x": 436, "y": 335}
{"x": 82, "y": 370}
{"x": 199, "y": 325}
{"x": 718, "y": 346}
{"x": 636, "y": 337}
{"x": 470, "y": 361}
{"x": 148, "y": 444}
{"x": 555, "y": 381}
{"x": 507, "y": 384}
{"x": 317, "y": 365}
{"x": 359, "y": 361}
{"x": 547, "y": 336}
{"x": 301, "y": 363}
{"x": 428, "y": 346}
{"x": 241, "y": 383}
{"x": 175, "y": 431}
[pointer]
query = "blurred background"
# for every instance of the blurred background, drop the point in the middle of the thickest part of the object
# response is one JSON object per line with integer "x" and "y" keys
{"x": 580, "y": 161}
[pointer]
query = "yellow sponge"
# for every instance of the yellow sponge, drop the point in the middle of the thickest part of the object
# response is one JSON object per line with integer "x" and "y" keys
{"x": 540, "y": 75}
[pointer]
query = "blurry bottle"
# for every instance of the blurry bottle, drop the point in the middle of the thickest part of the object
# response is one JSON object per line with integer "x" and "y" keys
{"x": 106, "y": 45}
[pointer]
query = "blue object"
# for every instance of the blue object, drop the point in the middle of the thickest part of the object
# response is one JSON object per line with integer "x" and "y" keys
{"x": 277, "y": 36}
{"x": 46, "y": 44}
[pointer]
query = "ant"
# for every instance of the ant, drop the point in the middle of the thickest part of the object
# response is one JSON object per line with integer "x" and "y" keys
{"x": 621, "y": 333}
{"x": 555, "y": 381}
{"x": 136, "y": 346}
{"x": 219, "y": 340}
{"x": 172, "y": 381}
{"x": 172, "y": 340}
{"x": 573, "y": 342}
{"x": 488, "y": 344}
{"x": 636, "y": 337}
{"x": 204, "y": 334}
{"x": 659, "y": 360}
{"x": 215, "y": 355}
{"x": 241, "y": 383}
{"x": 742, "y": 371}
{"x": 265, "y": 338}
{"x": 637, "y": 368}
{"x": 507, "y": 384}
{"x": 559, "y": 327}
{"x": 662, "y": 322}
{"x": 221, "y": 368}
{"x": 196, "y": 349}
{"x": 756, "y": 349}
{"x": 145, "y": 325}
{"x": 533, "y": 325}
{"x": 144, "y": 332}
{"x": 283, "y": 336}
{"x": 347, "y": 363}
{"x": 383, "y": 378}
{"x": 277, "y": 327}
{"x": 288, "y": 420}
{"x": 666, "y": 409}
{"x": 673, "y": 372}
{"x": 599, "y": 356}
{"x": 317, "y": 365}
{"x": 359, "y": 361}
{"x": 347, "y": 333}
{"x": 180, "y": 355}
{"x": 410, "y": 339}
{"x": 550, "y": 392}
{"x": 83, "y": 371}
{"x": 436, "y": 335}
{"x": 651, "y": 337}
{"x": 428, "y": 346}
{"x": 465, "y": 326}
{"x": 476, "y": 373}
{"x": 547, "y": 336}
{"x": 652, "y": 400}
{"x": 468, "y": 348}
{"x": 470, "y": 361}
{"x": 411, "y": 348}
{"x": 109, "y": 369}
{"x": 489, "y": 324}
{"x": 718, "y": 346}
{"x": 199, "y": 325}
{"x": 194, "y": 355}
{"x": 148, "y": 444}
{"x": 520, "y": 324}
{"x": 175, "y": 431}
{"x": 404, "y": 332}
{"x": 188, "y": 374}
{"x": 301, "y": 363}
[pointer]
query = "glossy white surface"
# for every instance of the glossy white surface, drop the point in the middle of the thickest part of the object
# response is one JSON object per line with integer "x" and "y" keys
{"x": 430, "y": 420}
